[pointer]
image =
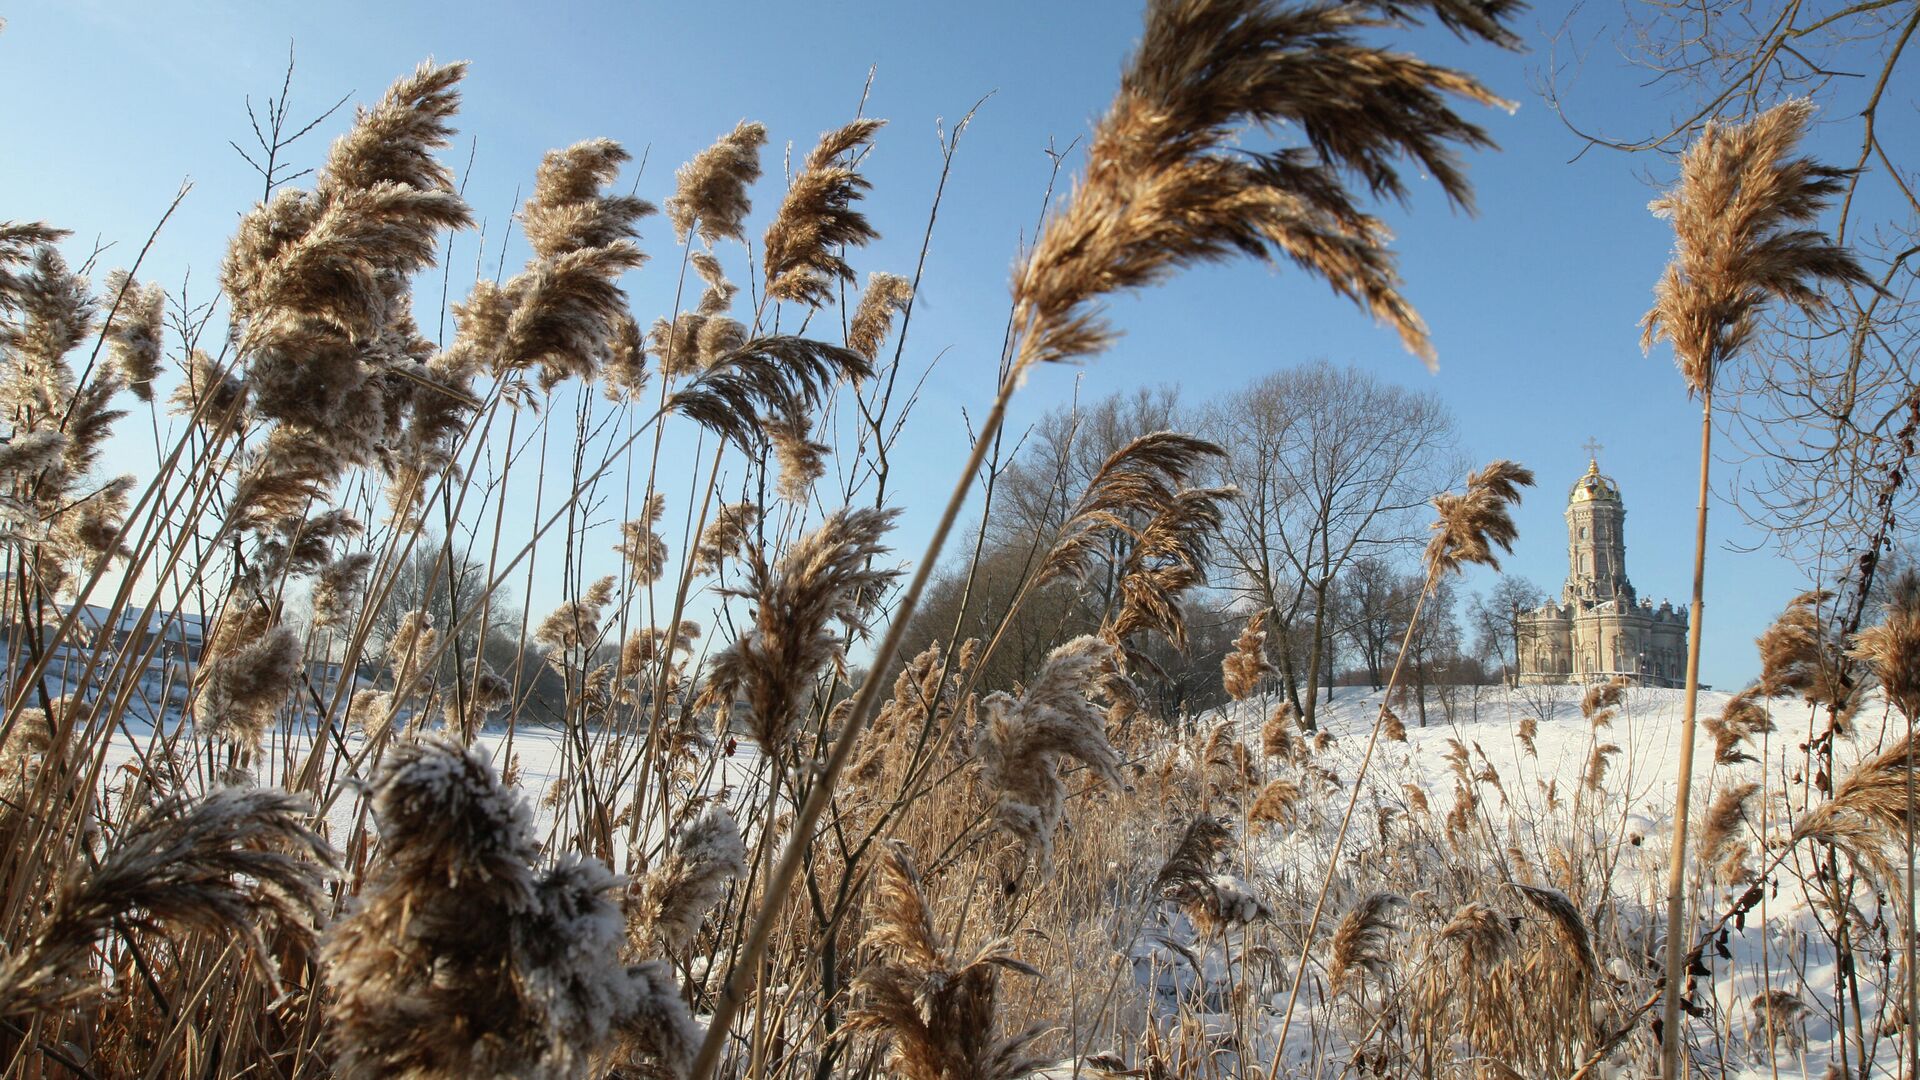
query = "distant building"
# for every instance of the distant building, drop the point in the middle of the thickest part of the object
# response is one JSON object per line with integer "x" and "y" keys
{"x": 1598, "y": 629}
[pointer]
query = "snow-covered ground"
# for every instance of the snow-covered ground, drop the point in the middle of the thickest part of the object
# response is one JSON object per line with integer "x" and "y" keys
{"x": 1529, "y": 797}
{"x": 1530, "y": 813}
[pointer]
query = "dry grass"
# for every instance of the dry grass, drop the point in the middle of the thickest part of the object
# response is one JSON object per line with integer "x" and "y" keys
{"x": 908, "y": 869}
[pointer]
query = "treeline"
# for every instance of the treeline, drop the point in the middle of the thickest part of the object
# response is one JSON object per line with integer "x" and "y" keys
{"x": 1331, "y": 468}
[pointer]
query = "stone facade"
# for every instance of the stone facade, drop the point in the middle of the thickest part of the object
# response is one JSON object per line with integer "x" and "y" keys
{"x": 1598, "y": 629}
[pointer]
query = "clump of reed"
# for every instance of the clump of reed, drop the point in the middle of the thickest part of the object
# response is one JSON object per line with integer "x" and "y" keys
{"x": 767, "y": 918}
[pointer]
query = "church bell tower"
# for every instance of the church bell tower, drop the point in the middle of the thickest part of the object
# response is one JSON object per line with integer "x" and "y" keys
{"x": 1596, "y": 542}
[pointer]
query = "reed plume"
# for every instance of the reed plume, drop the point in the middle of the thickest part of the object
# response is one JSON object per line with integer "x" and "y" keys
{"x": 1166, "y": 186}
{"x": 710, "y": 192}
{"x": 563, "y": 311}
{"x": 725, "y": 536}
{"x": 1739, "y": 213}
{"x": 1472, "y": 524}
{"x": 575, "y": 625}
{"x": 765, "y": 378}
{"x": 1280, "y": 735}
{"x": 937, "y": 1016}
{"x": 462, "y": 958}
{"x": 1138, "y": 485}
{"x": 802, "y": 460}
{"x": 1568, "y": 927}
{"x": 1740, "y": 720}
{"x": 886, "y": 295}
{"x": 230, "y": 865}
{"x": 241, "y": 690}
{"x": 1798, "y": 654}
{"x": 1246, "y": 664}
{"x": 817, "y": 220}
{"x": 318, "y": 280}
{"x": 1484, "y": 937}
{"x": 1275, "y": 802}
{"x": 1602, "y": 696}
{"x": 1719, "y": 848}
{"x": 1892, "y": 648}
{"x": 642, "y": 547}
{"x": 827, "y": 576}
{"x": 1867, "y": 815}
{"x": 1021, "y": 741}
{"x": 135, "y": 331}
{"x": 1362, "y": 939}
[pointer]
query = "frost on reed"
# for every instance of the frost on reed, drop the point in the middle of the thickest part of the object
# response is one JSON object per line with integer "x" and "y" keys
{"x": 228, "y": 865}
{"x": 463, "y": 958}
{"x": 61, "y": 518}
{"x": 240, "y": 690}
{"x": 669, "y": 903}
{"x": 826, "y": 577}
{"x": 939, "y": 1016}
{"x": 1021, "y": 741}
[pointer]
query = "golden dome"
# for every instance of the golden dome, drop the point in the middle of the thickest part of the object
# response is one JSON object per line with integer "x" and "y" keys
{"x": 1594, "y": 487}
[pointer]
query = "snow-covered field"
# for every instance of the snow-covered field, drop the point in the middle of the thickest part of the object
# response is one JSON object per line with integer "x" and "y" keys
{"x": 1533, "y": 801}
{"x": 1536, "y": 802}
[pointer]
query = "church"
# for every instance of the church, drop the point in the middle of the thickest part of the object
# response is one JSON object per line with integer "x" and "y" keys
{"x": 1598, "y": 629}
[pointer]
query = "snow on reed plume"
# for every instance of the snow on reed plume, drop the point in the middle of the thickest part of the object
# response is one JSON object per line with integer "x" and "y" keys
{"x": 463, "y": 957}
{"x": 670, "y": 902}
{"x": 1021, "y": 741}
{"x": 228, "y": 865}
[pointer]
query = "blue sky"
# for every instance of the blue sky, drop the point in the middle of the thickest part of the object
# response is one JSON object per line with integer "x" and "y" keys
{"x": 1533, "y": 304}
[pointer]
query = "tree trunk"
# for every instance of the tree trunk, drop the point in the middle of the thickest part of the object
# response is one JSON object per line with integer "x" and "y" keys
{"x": 1313, "y": 655}
{"x": 1670, "y": 1036}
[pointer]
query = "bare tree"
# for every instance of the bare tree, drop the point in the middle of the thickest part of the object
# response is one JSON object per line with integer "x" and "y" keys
{"x": 446, "y": 586}
{"x": 1493, "y": 618}
{"x": 1329, "y": 462}
{"x": 1374, "y": 601}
